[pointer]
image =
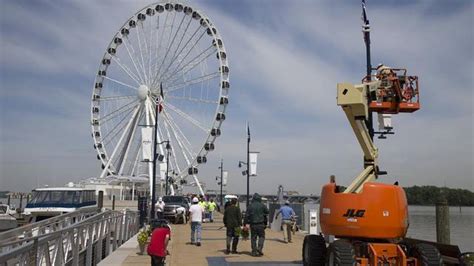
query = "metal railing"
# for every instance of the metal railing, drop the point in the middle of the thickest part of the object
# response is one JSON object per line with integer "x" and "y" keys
{"x": 83, "y": 243}
{"x": 46, "y": 226}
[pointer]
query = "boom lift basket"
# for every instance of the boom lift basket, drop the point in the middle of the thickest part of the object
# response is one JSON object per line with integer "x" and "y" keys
{"x": 397, "y": 93}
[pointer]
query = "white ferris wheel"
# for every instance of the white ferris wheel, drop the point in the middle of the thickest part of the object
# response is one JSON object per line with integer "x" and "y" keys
{"x": 174, "y": 47}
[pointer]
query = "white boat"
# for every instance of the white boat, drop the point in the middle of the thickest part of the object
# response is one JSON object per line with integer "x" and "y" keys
{"x": 48, "y": 202}
{"x": 7, "y": 221}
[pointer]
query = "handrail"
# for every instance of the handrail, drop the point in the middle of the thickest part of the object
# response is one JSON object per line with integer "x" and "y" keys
{"x": 101, "y": 232}
{"x": 54, "y": 222}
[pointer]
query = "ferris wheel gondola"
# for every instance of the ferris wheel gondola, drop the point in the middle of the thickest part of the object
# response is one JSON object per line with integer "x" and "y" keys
{"x": 176, "y": 48}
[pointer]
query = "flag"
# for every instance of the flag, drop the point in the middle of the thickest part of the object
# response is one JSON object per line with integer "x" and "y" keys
{"x": 161, "y": 91}
{"x": 248, "y": 132}
{"x": 160, "y": 105}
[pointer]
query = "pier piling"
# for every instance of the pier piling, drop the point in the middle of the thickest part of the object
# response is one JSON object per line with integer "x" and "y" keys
{"x": 442, "y": 221}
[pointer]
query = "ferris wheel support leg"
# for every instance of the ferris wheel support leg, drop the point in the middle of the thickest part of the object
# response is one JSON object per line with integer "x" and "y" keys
{"x": 198, "y": 184}
{"x": 106, "y": 168}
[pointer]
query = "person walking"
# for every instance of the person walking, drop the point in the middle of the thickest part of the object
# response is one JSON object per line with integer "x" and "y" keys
{"x": 203, "y": 204}
{"x": 160, "y": 208}
{"x": 287, "y": 215}
{"x": 160, "y": 237}
{"x": 232, "y": 222}
{"x": 257, "y": 217}
{"x": 196, "y": 212}
{"x": 211, "y": 206}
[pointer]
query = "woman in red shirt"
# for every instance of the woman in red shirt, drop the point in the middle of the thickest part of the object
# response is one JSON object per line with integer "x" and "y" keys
{"x": 160, "y": 237}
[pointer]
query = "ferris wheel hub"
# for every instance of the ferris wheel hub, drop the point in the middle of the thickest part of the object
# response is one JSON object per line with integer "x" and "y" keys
{"x": 143, "y": 92}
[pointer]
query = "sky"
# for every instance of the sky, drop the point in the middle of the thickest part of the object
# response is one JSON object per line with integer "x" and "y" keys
{"x": 285, "y": 59}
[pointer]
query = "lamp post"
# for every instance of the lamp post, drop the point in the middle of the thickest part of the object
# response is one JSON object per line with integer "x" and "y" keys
{"x": 247, "y": 163}
{"x": 222, "y": 176}
{"x": 155, "y": 155}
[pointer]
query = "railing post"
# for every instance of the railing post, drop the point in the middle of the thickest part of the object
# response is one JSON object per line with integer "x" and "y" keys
{"x": 75, "y": 246}
{"x": 114, "y": 221}
{"x": 34, "y": 253}
{"x": 89, "y": 246}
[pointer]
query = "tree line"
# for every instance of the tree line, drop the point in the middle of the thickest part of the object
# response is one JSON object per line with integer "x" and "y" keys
{"x": 429, "y": 195}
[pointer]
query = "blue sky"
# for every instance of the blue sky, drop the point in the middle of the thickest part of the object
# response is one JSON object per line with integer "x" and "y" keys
{"x": 286, "y": 58}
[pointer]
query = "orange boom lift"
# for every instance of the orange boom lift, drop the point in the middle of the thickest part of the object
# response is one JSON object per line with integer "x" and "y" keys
{"x": 369, "y": 220}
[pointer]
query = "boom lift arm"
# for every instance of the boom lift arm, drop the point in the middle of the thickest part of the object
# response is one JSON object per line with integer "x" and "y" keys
{"x": 354, "y": 102}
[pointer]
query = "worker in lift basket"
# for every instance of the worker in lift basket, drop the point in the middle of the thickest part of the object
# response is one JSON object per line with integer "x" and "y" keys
{"x": 160, "y": 236}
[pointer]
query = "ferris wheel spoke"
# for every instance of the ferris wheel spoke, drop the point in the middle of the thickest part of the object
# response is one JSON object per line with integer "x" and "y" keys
{"x": 142, "y": 80}
{"x": 170, "y": 43}
{"x": 160, "y": 44}
{"x": 175, "y": 127}
{"x": 148, "y": 40}
{"x": 119, "y": 143}
{"x": 197, "y": 80}
{"x": 169, "y": 48}
{"x": 113, "y": 98}
{"x": 130, "y": 141}
{"x": 186, "y": 116}
{"x": 120, "y": 82}
{"x": 174, "y": 56}
{"x": 116, "y": 128}
{"x": 186, "y": 44}
{"x": 121, "y": 109}
{"x": 141, "y": 55}
{"x": 196, "y": 61}
{"x": 184, "y": 58}
{"x": 183, "y": 147}
{"x": 125, "y": 69}
{"x": 192, "y": 99}
{"x": 135, "y": 162}
{"x": 172, "y": 150}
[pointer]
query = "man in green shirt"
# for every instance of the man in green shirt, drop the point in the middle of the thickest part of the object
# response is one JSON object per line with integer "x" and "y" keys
{"x": 232, "y": 222}
{"x": 257, "y": 217}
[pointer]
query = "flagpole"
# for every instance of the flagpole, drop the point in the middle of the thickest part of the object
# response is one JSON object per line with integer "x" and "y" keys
{"x": 248, "y": 163}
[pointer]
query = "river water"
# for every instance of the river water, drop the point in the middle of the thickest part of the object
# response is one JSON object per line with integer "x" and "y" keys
{"x": 423, "y": 225}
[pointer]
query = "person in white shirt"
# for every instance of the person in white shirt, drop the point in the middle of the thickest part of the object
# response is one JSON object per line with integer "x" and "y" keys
{"x": 160, "y": 208}
{"x": 196, "y": 212}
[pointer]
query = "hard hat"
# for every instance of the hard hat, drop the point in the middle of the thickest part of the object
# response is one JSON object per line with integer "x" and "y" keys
{"x": 287, "y": 202}
{"x": 160, "y": 199}
{"x": 195, "y": 200}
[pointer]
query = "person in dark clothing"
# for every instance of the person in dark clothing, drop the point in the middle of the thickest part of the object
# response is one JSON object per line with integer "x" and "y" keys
{"x": 256, "y": 217}
{"x": 232, "y": 222}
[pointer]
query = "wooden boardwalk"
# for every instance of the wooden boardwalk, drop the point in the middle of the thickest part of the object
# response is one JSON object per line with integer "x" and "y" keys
{"x": 276, "y": 252}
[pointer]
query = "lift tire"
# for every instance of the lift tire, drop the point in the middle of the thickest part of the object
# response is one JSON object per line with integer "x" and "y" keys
{"x": 341, "y": 252}
{"x": 314, "y": 250}
{"x": 427, "y": 255}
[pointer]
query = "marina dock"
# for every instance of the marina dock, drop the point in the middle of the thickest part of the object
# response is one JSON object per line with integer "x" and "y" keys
{"x": 276, "y": 252}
